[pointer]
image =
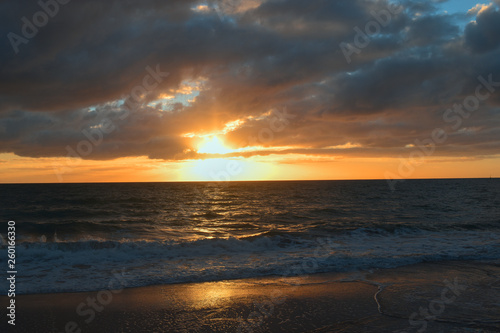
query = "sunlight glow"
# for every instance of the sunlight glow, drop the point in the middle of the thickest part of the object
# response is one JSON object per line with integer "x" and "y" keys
{"x": 213, "y": 146}
{"x": 230, "y": 169}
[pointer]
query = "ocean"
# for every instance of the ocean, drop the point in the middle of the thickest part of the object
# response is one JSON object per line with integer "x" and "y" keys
{"x": 75, "y": 237}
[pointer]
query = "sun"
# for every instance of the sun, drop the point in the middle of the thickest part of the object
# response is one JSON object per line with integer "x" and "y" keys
{"x": 218, "y": 162}
{"x": 212, "y": 167}
{"x": 213, "y": 145}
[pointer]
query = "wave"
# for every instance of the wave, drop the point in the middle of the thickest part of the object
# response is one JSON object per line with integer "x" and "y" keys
{"x": 87, "y": 264}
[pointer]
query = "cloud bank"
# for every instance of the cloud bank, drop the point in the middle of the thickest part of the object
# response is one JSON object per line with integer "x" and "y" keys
{"x": 234, "y": 63}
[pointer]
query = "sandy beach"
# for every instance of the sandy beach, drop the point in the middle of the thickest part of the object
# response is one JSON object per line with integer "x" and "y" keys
{"x": 429, "y": 297}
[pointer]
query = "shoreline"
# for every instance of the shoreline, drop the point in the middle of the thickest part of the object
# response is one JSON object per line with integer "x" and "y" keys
{"x": 453, "y": 295}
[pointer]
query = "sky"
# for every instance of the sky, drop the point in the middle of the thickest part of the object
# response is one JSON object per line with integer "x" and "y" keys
{"x": 185, "y": 90}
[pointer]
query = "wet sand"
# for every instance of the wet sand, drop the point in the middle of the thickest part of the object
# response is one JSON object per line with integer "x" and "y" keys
{"x": 429, "y": 297}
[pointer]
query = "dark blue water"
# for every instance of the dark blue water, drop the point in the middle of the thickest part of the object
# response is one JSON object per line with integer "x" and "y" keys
{"x": 72, "y": 236}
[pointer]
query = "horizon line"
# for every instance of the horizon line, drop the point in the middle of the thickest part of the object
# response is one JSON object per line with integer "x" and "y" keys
{"x": 243, "y": 181}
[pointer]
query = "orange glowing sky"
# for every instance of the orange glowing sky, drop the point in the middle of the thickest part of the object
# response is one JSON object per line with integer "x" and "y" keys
{"x": 16, "y": 169}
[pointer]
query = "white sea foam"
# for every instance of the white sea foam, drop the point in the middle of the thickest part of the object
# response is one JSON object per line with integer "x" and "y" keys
{"x": 88, "y": 265}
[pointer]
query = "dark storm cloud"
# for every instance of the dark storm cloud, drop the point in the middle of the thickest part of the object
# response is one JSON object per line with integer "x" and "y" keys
{"x": 263, "y": 56}
{"x": 483, "y": 35}
{"x": 39, "y": 134}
